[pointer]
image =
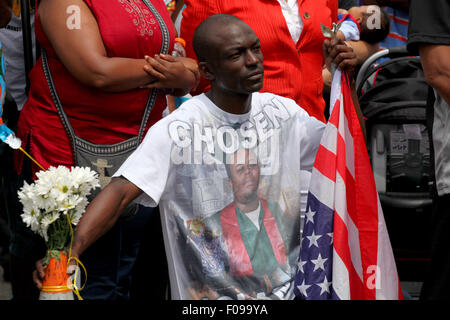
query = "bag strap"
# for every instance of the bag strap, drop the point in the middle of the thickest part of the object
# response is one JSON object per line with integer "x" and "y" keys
{"x": 152, "y": 95}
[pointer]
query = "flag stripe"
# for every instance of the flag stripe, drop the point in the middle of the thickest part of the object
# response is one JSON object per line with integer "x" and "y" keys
{"x": 388, "y": 281}
{"x": 326, "y": 163}
{"x": 352, "y": 230}
{"x": 342, "y": 249}
{"x": 329, "y": 139}
{"x": 341, "y": 279}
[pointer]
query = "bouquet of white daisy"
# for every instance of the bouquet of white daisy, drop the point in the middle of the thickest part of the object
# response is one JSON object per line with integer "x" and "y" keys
{"x": 52, "y": 205}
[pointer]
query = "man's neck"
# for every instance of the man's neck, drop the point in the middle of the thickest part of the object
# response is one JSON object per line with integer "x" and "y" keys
{"x": 231, "y": 102}
{"x": 248, "y": 206}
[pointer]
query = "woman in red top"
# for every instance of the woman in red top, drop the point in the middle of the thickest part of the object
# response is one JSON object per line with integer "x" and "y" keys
{"x": 98, "y": 70}
{"x": 96, "y": 55}
{"x": 292, "y": 68}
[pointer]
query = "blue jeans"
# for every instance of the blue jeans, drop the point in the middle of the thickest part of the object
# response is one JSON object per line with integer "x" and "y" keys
{"x": 109, "y": 261}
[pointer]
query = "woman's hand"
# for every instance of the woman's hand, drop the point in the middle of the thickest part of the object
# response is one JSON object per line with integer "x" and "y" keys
{"x": 171, "y": 72}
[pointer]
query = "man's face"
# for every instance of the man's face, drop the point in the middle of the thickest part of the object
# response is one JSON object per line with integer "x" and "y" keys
{"x": 237, "y": 62}
{"x": 5, "y": 12}
{"x": 244, "y": 176}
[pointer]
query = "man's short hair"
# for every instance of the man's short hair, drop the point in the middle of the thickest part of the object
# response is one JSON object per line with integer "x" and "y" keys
{"x": 205, "y": 32}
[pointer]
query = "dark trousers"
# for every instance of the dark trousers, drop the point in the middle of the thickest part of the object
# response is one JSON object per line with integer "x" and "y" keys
{"x": 150, "y": 277}
{"x": 437, "y": 282}
{"x": 111, "y": 259}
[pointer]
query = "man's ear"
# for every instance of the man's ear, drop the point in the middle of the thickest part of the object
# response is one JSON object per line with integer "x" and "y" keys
{"x": 359, "y": 19}
{"x": 206, "y": 71}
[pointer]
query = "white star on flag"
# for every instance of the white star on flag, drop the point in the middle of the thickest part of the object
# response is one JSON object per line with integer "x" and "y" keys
{"x": 309, "y": 216}
{"x": 303, "y": 287}
{"x": 325, "y": 286}
{"x": 313, "y": 239}
{"x": 331, "y": 236}
{"x": 319, "y": 263}
{"x": 301, "y": 264}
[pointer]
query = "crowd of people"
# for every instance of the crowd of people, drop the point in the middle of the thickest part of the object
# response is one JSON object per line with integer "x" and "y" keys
{"x": 199, "y": 200}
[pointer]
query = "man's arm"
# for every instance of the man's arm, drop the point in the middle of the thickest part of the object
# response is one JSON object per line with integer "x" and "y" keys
{"x": 103, "y": 212}
{"x": 436, "y": 66}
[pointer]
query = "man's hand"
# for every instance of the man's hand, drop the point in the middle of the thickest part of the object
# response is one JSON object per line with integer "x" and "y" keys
{"x": 337, "y": 52}
{"x": 343, "y": 56}
{"x": 39, "y": 273}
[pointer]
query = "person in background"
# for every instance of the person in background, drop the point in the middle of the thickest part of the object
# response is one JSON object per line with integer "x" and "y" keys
{"x": 291, "y": 41}
{"x": 355, "y": 26}
{"x": 429, "y": 36}
{"x": 96, "y": 56}
{"x": 12, "y": 39}
{"x": 361, "y": 27}
{"x": 5, "y": 16}
{"x": 397, "y": 11}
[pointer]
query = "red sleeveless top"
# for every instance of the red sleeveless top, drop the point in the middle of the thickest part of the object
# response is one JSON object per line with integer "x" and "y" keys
{"x": 128, "y": 29}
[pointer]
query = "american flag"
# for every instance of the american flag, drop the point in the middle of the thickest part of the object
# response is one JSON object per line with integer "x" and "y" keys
{"x": 345, "y": 249}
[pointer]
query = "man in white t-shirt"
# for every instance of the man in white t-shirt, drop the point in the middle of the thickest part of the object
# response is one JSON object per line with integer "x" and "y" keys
{"x": 182, "y": 166}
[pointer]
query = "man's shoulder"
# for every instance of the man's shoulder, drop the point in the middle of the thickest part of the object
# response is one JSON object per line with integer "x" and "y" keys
{"x": 280, "y": 106}
{"x": 190, "y": 110}
{"x": 263, "y": 99}
{"x": 194, "y": 103}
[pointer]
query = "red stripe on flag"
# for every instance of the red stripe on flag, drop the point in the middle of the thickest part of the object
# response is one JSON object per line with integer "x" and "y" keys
{"x": 346, "y": 176}
{"x": 340, "y": 244}
{"x": 334, "y": 117}
{"x": 326, "y": 163}
{"x": 364, "y": 195}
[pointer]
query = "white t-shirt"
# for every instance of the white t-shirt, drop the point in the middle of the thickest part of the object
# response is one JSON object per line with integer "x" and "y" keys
{"x": 214, "y": 251}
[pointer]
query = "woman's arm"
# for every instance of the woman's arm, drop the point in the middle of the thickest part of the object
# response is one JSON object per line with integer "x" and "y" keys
{"x": 159, "y": 67}
{"x": 83, "y": 53}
